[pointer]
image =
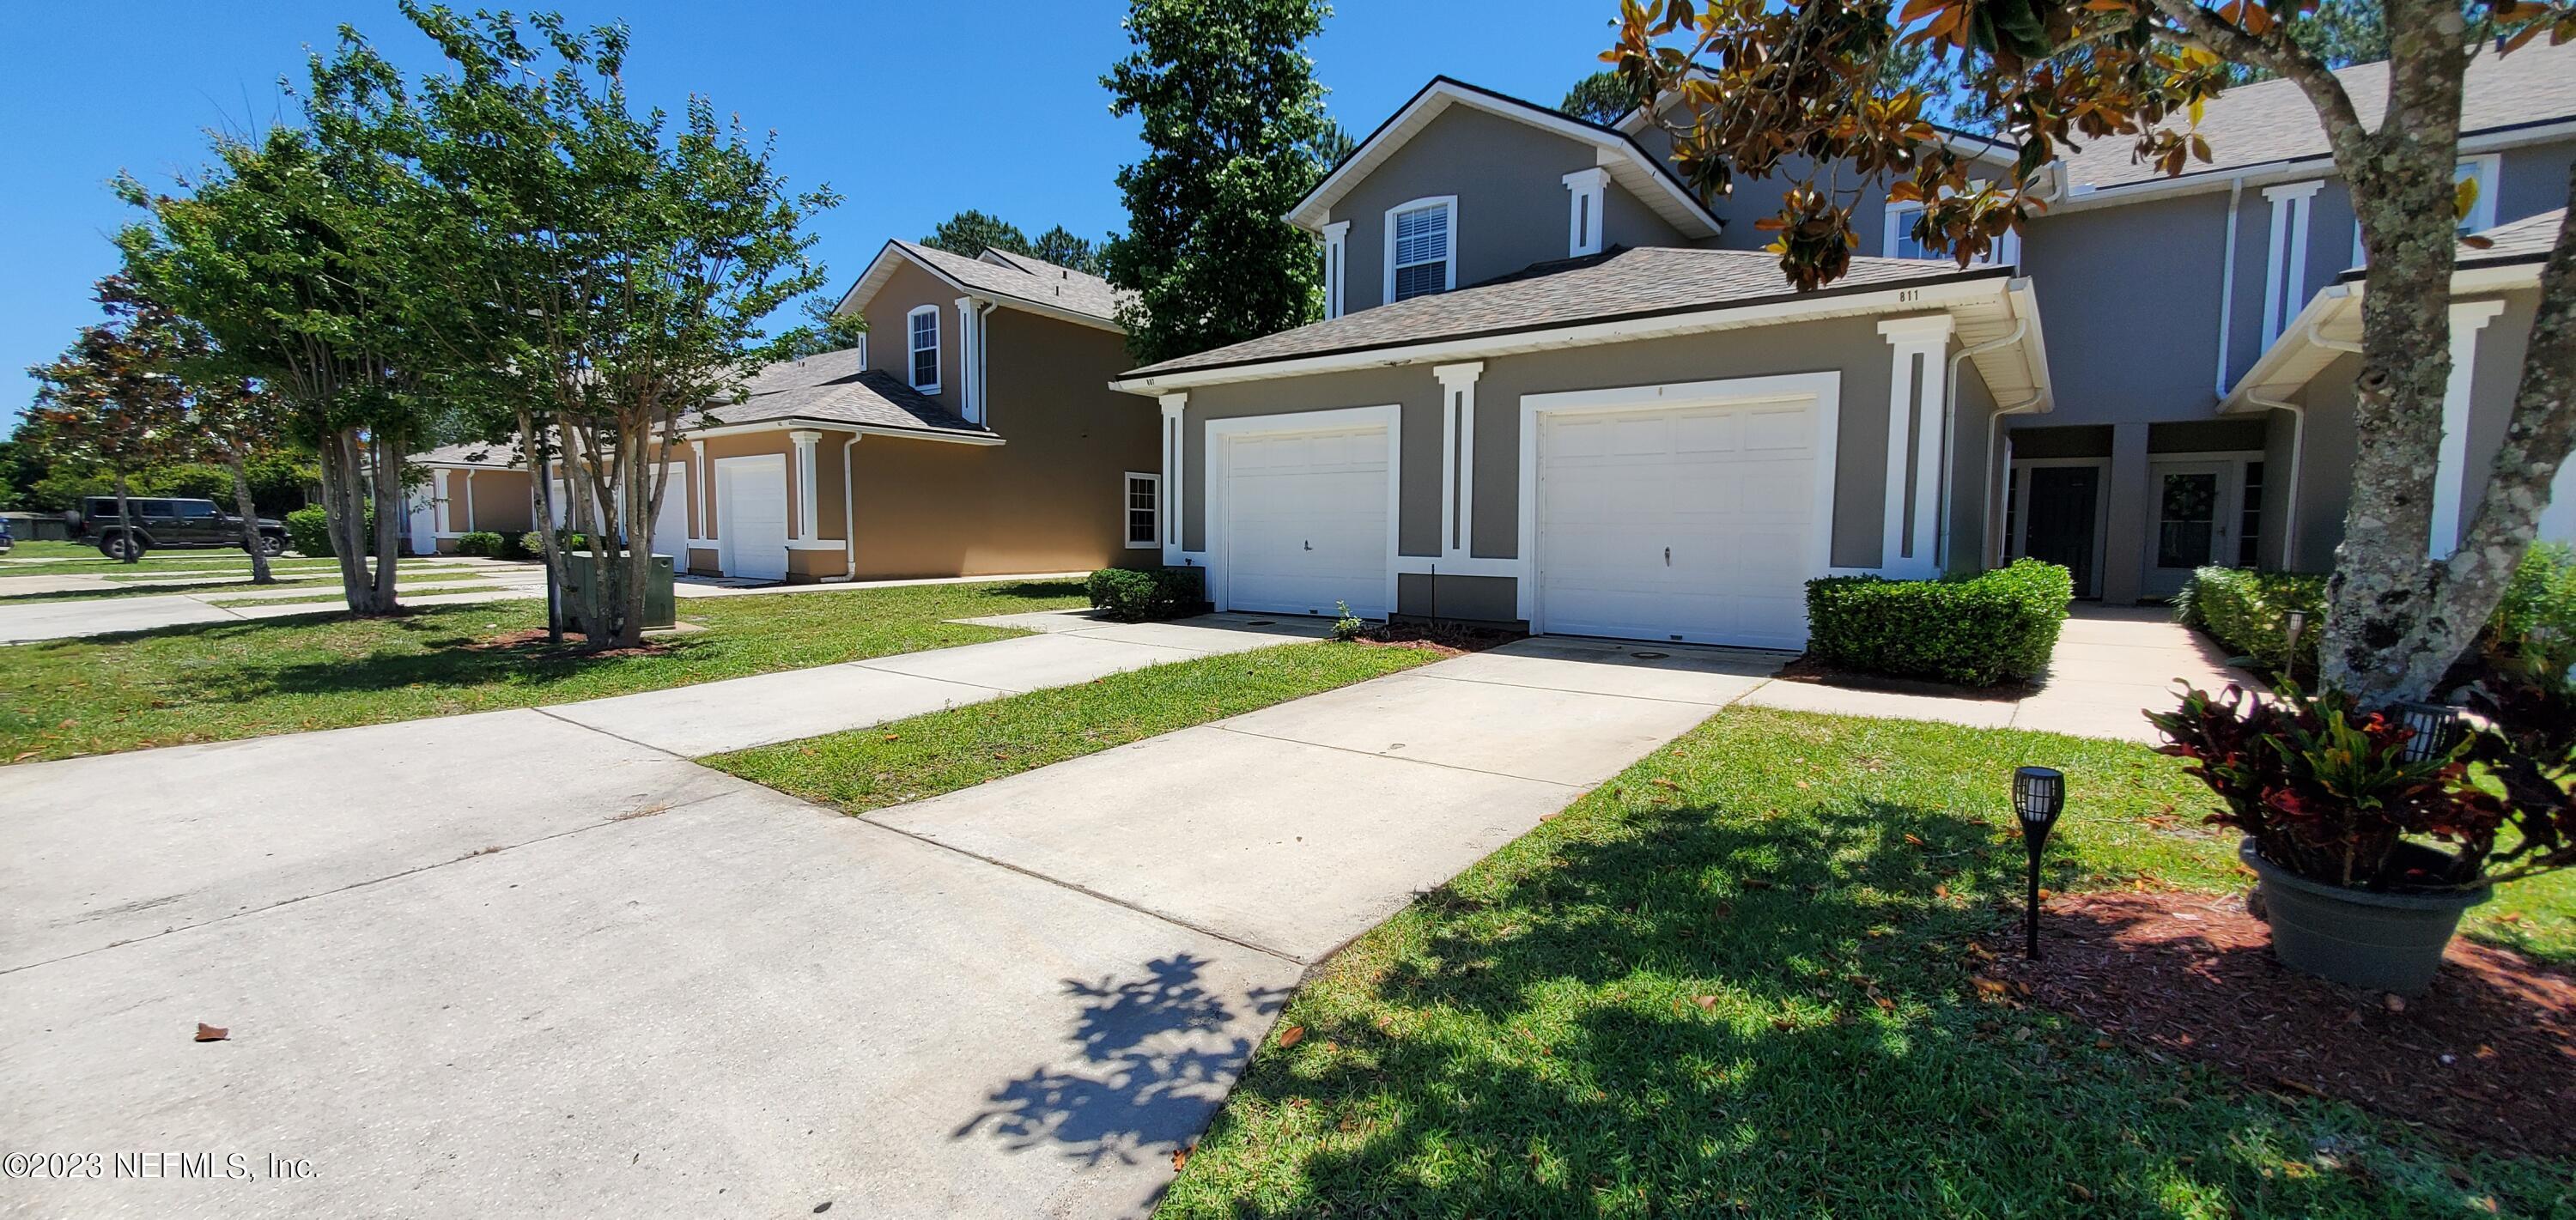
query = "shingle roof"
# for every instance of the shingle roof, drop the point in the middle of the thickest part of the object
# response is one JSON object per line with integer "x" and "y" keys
{"x": 483, "y": 454}
{"x": 1026, "y": 279}
{"x": 2274, "y": 121}
{"x": 833, "y": 388}
{"x": 2529, "y": 239}
{"x": 1622, "y": 283}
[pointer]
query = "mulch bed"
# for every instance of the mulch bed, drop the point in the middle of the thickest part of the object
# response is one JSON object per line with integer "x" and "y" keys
{"x": 2489, "y": 1054}
{"x": 1447, "y": 639}
{"x": 1810, "y": 670}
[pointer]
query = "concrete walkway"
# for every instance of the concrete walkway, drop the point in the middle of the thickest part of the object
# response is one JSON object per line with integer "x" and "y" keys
{"x": 525, "y": 965}
{"x": 436, "y": 580}
{"x": 2111, "y": 663}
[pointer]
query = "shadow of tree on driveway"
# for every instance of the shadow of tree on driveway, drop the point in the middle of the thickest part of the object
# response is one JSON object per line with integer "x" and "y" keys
{"x": 1155, "y": 1058}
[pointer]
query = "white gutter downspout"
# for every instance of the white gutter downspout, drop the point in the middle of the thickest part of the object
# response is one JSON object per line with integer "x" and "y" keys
{"x": 849, "y": 510}
{"x": 2298, "y": 446}
{"x": 1949, "y": 420}
{"x": 2227, "y": 282}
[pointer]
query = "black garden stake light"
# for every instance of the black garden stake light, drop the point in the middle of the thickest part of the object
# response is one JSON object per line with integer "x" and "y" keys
{"x": 2436, "y": 726}
{"x": 2039, "y": 795}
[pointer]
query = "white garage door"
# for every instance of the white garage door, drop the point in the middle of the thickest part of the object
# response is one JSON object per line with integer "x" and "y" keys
{"x": 751, "y": 515}
{"x": 1697, "y": 524}
{"x": 1306, "y": 522}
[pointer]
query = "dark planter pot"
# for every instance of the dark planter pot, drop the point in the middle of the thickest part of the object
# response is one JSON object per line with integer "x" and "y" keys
{"x": 2360, "y": 938}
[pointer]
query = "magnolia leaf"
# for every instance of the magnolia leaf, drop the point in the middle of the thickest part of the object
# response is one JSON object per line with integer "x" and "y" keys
{"x": 1291, "y": 1036}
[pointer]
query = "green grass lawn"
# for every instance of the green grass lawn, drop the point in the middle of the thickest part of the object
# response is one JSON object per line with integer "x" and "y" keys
{"x": 1736, "y": 981}
{"x": 216, "y": 682}
{"x": 923, "y": 756}
{"x": 81, "y": 557}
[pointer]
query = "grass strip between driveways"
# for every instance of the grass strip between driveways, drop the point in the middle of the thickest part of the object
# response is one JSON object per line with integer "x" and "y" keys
{"x": 234, "y": 679}
{"x": 1736, "y": 980}
{"x": 923, "y": 756}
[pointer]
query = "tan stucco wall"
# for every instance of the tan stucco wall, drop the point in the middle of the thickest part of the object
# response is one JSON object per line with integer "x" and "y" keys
{"x": 889, "y": 344}
{"x": 1047, "y": 501}
{"x": 500, "y": 501}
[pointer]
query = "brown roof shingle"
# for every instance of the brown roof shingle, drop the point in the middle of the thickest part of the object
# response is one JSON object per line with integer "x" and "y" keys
{"x": 2274, "y": 121}
{"x": 834, "y": 388}
{"x": 1026, "y": 279}
{"x": 1622, "y": 283}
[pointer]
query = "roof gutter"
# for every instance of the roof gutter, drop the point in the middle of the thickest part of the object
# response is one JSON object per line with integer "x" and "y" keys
{"x": 1791, "y": 308}
{"x": 837, "y": 425}
{"x": 2266, "y": 173}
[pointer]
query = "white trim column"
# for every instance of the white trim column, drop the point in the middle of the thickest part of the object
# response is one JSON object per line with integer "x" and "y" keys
{"x": 441, "y": 523}
{"x": 1458, "y": 457}
{"x": 2450, "y": 474}
{"x": 1587, "y": 190}
{"x": 1337, "y": 261}
{"x": 970, "y": 359}
{"x": 1914, "y": 443}
{"x": 706, "y": 495}
{"x": 2285, "y": 265}
{"x": 1176, "y": 530}
{"x": 804, "y": 439}
{"x": 469, "y": 502}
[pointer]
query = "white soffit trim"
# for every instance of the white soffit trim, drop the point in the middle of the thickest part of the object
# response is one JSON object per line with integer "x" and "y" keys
{"x": 2334, "y": 314}
{"x": 839, "y": 425}
{"x": 1629, "y": 165}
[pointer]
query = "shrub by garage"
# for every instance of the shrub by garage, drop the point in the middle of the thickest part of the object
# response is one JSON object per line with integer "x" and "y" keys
{"x": 308, "y": 530}
{"x": 482, "y": 543}
{"x": 1134, "y": 595}
{"x": 1981, "y": 630}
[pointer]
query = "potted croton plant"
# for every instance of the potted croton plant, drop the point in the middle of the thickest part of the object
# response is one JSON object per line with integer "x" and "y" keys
{"x": 2371, "y": 838}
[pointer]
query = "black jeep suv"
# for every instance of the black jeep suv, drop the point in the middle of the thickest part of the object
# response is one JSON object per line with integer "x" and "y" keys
{"x": 161, "y": 522}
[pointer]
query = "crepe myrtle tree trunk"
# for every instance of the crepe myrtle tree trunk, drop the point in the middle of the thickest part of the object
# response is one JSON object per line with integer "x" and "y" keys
{"x": 348, "y": 469}
{"x": 125, "y": 522}
{"x": 248, "y": 508}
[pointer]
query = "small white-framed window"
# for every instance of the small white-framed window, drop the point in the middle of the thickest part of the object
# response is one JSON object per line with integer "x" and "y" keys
{"x": 1898, "y": 241}
{"x": 1143, "y": 511}
{"x": 1421, "y": 248}
{"x": 921, "y": 328}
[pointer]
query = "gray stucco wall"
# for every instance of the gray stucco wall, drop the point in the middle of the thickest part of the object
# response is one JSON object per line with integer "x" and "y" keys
{"x": 1512, "y": 200}
{"x": 1851, "y": 348}
{"x": 2127, "y": 298}
{"x": 2501, "y": 345}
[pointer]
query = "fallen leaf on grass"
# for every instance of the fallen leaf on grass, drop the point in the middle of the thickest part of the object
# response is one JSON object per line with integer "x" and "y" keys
{"x": 212, "y": 1033}
{"x": 1707, "y": 1003}
{"x": 1291, "y": 1036}
{"x": 1180, "y": 1157}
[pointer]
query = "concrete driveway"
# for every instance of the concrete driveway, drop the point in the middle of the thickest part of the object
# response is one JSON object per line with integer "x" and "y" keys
{"x": 530, "y": 967}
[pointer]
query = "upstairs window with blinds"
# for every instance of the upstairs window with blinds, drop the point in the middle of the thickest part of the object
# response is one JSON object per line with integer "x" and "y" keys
{"x": 924, "y": 329}
{"x": 1421, "y": 249}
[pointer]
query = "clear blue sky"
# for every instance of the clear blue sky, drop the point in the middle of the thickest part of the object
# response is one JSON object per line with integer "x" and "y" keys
{"x": 911, "y": 111}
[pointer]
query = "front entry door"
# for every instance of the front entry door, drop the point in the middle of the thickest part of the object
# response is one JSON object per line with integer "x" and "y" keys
{"x": 2194, "y": 503}
{"x": 2064, "y": 505}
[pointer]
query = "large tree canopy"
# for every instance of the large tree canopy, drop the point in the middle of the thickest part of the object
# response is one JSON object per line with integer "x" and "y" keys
{"x": 971, "y": 233}
{"x": 1233, "y": 128}
{"x": 1797, "y": 91}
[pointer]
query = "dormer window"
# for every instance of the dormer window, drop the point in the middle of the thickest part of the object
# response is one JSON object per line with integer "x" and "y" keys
{"x": 922, "y": 325}
{"x": 1421, "y": 248}
{"x": 1899, "y": 241}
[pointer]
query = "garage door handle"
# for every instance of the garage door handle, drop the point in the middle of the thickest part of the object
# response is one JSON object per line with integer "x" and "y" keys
{"x": 1668, "y": 557}
{"x": 1310, "y": 545}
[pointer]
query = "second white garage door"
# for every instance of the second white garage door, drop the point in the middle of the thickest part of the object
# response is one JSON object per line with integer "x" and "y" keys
{"x": 751, "y": 515}
{"x": 1698, "y": 524}
{"x": 1305, "y": 521}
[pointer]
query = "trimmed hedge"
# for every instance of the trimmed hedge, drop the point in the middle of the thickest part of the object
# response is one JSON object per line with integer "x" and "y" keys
{"x": 1132, "y": 595}
{"x": 308, "y": 530}
{"x": 483, "y": 543}
{"x": 2249, "y": 612}
{"x": 1981, "y": 630}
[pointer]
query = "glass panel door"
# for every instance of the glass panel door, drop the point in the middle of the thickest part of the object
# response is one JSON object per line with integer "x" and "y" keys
{"x": 2186, "y": 518}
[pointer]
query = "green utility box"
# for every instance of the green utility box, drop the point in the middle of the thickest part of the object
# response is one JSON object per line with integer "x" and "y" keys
{"x": 659, "y": 610}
